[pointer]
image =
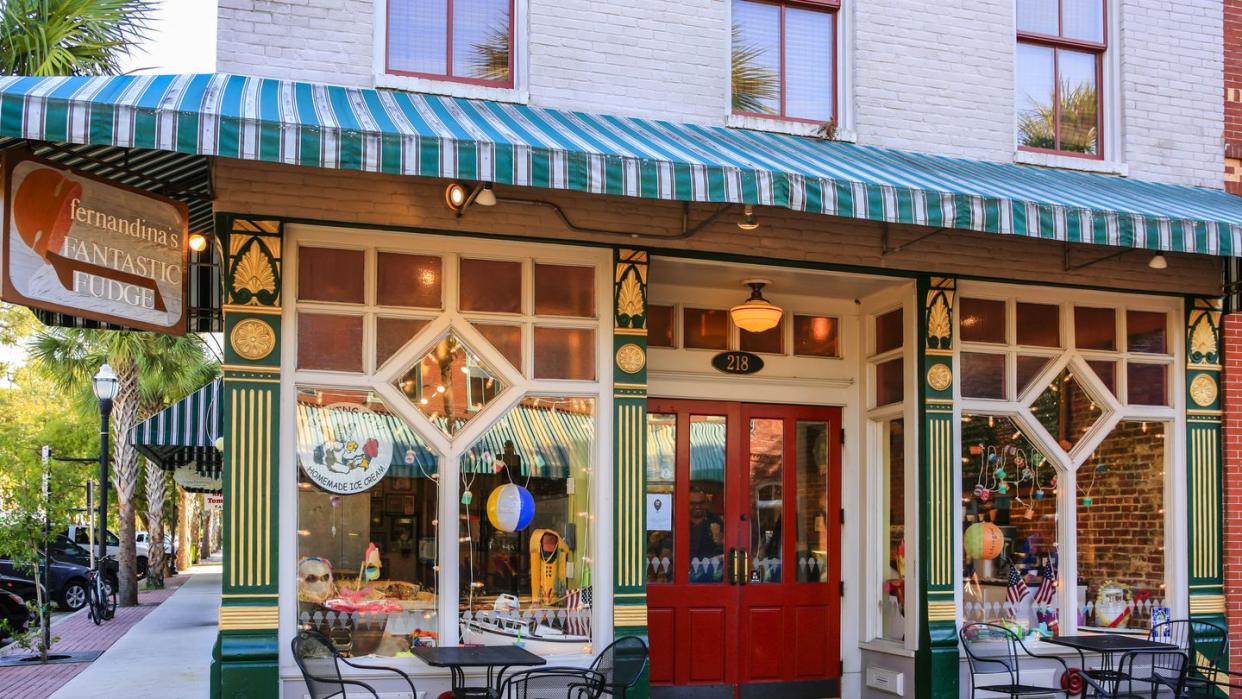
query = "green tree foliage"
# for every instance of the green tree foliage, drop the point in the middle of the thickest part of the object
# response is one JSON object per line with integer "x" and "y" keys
{"x": 69, "y": 37}
{"x": 491, "y": 58}
{"x": 754, "y": 85}
{"x": 1079, "y": 121}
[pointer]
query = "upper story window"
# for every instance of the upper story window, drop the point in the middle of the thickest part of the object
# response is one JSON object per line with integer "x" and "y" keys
{"x": 784, "y": 59}
{"x": 469, "y": 41}
{"x": 1061, "y": 46}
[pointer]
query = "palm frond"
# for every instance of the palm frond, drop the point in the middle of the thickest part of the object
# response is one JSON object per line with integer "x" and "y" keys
{"x": 754, "y": 85}
{"x": 70, "y": 37}
{"x": 1079, "y": 121}
{"x": 491, "y": 58}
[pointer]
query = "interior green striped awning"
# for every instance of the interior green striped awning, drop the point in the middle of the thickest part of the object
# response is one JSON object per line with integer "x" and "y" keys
{"x": 386, "y": 131}
{"x": 184, "y": 432}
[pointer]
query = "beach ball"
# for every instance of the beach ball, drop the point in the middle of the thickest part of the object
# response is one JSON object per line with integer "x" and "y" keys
{"x": 983, "y": 541}
{"x": 510, "y": 508}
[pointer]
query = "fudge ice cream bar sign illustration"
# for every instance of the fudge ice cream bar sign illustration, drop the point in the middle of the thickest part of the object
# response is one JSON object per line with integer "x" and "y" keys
{"x": 77, "y": 244}
{"x": 351, "y": 448}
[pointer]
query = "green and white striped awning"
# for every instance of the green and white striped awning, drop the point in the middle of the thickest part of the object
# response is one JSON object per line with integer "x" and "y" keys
{"x": 386, "y": 131}
{"x": 184, "y": 432}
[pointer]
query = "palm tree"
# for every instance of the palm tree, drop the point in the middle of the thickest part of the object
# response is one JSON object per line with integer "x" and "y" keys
{"x": 145, "y": 364}
{"x": 1079, "y": 121}
{"x": 491, "y": 57}
{"x": 69, "y": 37}
{"x": 754, "y": 85}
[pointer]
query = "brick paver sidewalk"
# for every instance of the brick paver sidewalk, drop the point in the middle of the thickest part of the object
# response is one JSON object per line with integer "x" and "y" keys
{"x": 78, "y": 633}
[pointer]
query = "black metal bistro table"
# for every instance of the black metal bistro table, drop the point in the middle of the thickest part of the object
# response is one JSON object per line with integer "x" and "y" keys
{"x": 457, "y": 658}
{"x": 1108, "y": 645}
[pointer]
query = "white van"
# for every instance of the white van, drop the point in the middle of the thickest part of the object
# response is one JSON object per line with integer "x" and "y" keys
{"x": 80, "y": 535}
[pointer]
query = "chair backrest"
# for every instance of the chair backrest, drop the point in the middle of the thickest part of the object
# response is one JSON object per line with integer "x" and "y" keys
{"x": 316, "y": 658}
{"x": 1170, "y": 665}
{"x": 1001, "y": 654}
{"x": 622, "y": 663}
{"x": 555, "y": 683}
{"x": 1204, "y": 643}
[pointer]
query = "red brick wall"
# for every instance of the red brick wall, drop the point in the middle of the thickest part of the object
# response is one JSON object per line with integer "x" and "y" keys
{"x": 1232, "y": 334}
{"x": 1233, "y": 96}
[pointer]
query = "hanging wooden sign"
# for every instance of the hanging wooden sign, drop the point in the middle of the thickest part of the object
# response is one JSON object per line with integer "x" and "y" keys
{"x": 79, "y": 244}
{"x": 738, "y": 362}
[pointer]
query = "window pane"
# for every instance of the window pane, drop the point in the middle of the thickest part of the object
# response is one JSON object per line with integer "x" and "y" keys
{"x": 1038, "y": 16}
{"x": 771, "y": 341}
{"x": 812, "y": 466}
{"x": 1107, "y": 371}
{"x": 1009, "y": 510}
{"x": 408, "y": 280}
{"x": 756, "y": 57}
{"x": 450, "y": 384}
{"x": 889, "y": 331}
{"x": 767, "y": 467}
{"x": 481, "y": 39}
{"x": 366, "y": 508}
{"x": 527, "y": 555}
{"x": 1034, "y": 97}
{"x": 1084, "y": 19}
{"x": 1121, "y": 490}
{"x": 1079, "y": 101}
{"x": 808, "y": 64}
{"x": 565, "y": 291}
{"x": 660, "y": 326}
{"x": 1146, "y": 384}
{"x": 1039, "y": 325}
{"x": 391, "y": 334}
{"x": 325, "y": 274}
{"x": 418, "y": 36}
{"x": 342, "y": 353}
{"x": 1145, "y": 332}
{"x": 982, "y": 320}
{"x": 707, "y": 498}
{"x": 983, "y": 375}
{"x": 565, "y": 353}
{"x": 1095, "y": 328}
{"x": 889, "y": 381}
{"x": 1066, "y": 410}
{"x": 507, "y": 339}
{"x": 704, "y": 329}
{"x": 661, "y": 477}
{"x": 893, "y": 443}
{"x": 491, "y": 285}
{"x": 815, "y": 336}
{"x": 1028, "y": 369}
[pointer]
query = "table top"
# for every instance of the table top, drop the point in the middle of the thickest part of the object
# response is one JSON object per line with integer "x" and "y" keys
{"x": 477, "y": 656}
{"x": 1109, "y": 643}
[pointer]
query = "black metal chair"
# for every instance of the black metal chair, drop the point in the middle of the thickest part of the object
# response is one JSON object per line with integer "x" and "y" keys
{"x": 320, "y": 664}
{"x": 1149, "y": 668}
{"x": 553, "y": 683}
{"x": 1005, "y": 653}
{"x": 622, "y": 664}
{"x": 1205, "y": 646}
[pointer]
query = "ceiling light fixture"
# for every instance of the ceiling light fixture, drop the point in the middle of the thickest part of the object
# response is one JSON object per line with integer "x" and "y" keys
{"x": 748, "y": 221}
{"x": 756, "y": 314}
{"x": 1157, "y": 261}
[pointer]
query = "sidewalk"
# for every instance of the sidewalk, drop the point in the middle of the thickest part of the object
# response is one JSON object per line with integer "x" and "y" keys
{"x": 170, "y": 648}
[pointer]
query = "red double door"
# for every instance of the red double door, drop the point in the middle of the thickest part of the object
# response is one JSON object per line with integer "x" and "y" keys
{"x": 744, "y": 574}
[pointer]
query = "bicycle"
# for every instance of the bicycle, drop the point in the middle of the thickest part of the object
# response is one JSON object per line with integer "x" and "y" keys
{"x": 100, "y": 595}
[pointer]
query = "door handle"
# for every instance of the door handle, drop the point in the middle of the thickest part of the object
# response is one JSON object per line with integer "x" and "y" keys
{"x": 739, "y": 566}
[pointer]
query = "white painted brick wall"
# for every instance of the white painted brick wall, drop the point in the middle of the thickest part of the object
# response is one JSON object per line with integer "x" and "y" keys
{"x": 926, "y": 76}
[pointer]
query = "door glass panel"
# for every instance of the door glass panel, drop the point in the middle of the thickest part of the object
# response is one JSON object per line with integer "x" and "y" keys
{"x": 661, "y": 475}
{"x": 812, "y": 516}
{"x": 766, "y": 498}
{"x": 707, "y": 498}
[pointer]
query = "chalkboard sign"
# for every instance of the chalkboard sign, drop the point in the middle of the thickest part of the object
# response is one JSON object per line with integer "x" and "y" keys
{"x": 738, "y": 362}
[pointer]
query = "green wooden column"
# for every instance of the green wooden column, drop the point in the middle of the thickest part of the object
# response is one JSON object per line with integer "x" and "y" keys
{"x": 245, "y": 657}
{"x": 629, "y": 614}
{"x": 1204, "y": 465}
{"x": 936, "y": 664}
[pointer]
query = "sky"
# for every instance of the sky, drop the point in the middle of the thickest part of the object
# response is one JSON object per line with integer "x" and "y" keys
{"x": 182, "y": 40}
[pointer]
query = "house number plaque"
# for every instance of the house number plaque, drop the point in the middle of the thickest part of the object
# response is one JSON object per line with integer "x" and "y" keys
{"x": 738, "y": 362}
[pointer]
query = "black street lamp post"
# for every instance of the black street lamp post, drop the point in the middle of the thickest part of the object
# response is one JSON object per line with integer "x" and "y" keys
{"x": 105, "y": 385}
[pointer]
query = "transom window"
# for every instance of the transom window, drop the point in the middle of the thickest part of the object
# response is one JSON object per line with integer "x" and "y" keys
{"x": 1061, "y": 45}
{"x": 784, "y": 59}
{"x": 799, "y": 334}
{"x": 468, "y": 41}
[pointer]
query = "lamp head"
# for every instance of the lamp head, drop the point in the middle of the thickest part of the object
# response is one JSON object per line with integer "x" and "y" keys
{"x": 198, "y": 242}
{"x": 456, "y": 196}
{"x": 486, "y": 197}
{"x": 756, "y": 314}
{"x": 105, "y": 383}
{"x": 748, "y": 221}
{"x": 1157, "y": 261}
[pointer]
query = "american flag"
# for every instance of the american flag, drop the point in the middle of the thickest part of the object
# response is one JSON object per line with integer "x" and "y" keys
{"x": 578, "y": 603}
{"x": 1048, "y": 586}
{"x": 1017, "y": 589}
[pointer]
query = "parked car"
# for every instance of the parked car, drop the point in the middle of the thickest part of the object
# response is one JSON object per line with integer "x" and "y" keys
{"x": 143, "y": 541}
{"x": 14, "y": 616}
{"x": 80, "y": 534}
{"x": 67, "y": 586}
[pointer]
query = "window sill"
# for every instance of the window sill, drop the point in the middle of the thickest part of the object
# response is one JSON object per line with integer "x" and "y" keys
{"x": 451, "y": 89}
{"x": 792, "y": 128}
{"x": 887, "y": 648}
{"x": 1069, "y": 162}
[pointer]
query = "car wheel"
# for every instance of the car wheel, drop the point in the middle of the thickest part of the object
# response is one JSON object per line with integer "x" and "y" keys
{"x": 73, "y": 596}
{"x": 142, "y": 567}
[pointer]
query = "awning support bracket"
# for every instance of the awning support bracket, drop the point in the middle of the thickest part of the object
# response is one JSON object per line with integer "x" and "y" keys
{"x": 887, "y": 249}
{"x": 687, "y": 230}
{"x": 1071, "y": 267}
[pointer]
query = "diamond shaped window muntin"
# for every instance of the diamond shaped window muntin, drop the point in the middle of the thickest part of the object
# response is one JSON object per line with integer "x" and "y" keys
{"x": 450, "y": 384}
{"x": 1067, "y": 409}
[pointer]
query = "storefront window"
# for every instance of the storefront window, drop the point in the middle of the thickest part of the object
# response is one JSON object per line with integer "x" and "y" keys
{"x": 707, "y": 498}
{"x": 1066, "y": 410}
{"x": 450, "y": 384}
{"x": 1121, "y": 529}
{"x": 525, "y": 528}
{"x": 893, "y": 594}
{"x": 661, "y": 479}
{"x": 366, "y": 518}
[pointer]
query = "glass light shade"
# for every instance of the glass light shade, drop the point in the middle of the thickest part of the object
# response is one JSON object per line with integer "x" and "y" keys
{"x": 198, "y": 242}
{"x": 105, "y": 383}
{"x": 756, "y": 315}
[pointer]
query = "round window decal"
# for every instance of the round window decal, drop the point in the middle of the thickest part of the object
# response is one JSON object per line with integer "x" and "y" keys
{"x": 351, "y": 449}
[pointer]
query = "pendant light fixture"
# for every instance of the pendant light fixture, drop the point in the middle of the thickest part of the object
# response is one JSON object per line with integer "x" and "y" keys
{"x": 748, "y": 221}
{"x": 756, "y": 314}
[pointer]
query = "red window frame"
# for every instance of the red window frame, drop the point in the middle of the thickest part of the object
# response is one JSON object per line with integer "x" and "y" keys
{"x": 829, "y": 7}
{"x": 448, "y": 76}
{"x": 1057, "y": 44}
